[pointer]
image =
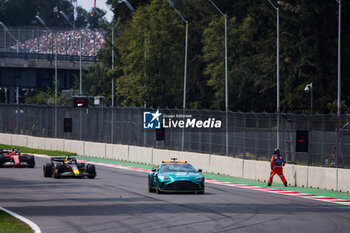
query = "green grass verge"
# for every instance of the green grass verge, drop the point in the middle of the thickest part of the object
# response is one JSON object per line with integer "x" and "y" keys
{"x": 37, "y": 151}
{"x": 314, "y": 191}
{"x": 9, "y": 224}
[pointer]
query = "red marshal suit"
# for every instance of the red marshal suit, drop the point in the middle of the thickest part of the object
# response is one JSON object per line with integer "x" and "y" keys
{"x": 277, "y": 163}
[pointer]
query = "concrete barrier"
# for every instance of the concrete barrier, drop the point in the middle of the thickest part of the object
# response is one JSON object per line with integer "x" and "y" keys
{"x": 160, "y": 155}
{"x": 196, "y": 159}
{"x": 140, "y": 154}
{"x": 98, "y": 150}
{"x": 121, "y": 152}
{"x": 343, "y": 180}
{"x": 226, "y": 165}
{"x": 173, "y": 154}
{"x": 257, "y": 170}
{"x": 117, "y": 152}
{"x": 54, "y": 144}
{"x": 302, "y": 176}
{"x": 290, "y": 173}
{"x": 6, "y": 139}
{"x": 109, "y": 151}
{"x": 19, "y": 140}
{"x": 74, "y": 146}
{"x": 88, "y": 149}
{"x": 322, "y": 177}
{"x": 35, "y": 142}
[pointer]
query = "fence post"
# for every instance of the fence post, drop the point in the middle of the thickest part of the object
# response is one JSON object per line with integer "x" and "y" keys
{"x": 323, "y": 129}
{"x": 129, "y": 126}
{"x": 244, "y": 135}
{"x": 234, "y": 134}
{"x": 256, "y": 141}
{"x": 309, "y": 154}
{"x": 269, "y": 132}
{"x": 112, "y": 124}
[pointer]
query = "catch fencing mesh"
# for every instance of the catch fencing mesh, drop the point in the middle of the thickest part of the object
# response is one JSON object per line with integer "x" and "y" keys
{"x": 250, "y": 135}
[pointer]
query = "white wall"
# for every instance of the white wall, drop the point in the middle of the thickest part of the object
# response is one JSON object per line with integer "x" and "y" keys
{"x": 140, "y": 154}
{"x": 19, "y": 140}
{"x": 74, "y": 146}
{"x": 302, "y": 176}
{"x": 6, "y": 139}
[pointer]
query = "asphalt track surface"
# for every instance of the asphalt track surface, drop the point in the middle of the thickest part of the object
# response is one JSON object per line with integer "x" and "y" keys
{"x": 118, "y": 201}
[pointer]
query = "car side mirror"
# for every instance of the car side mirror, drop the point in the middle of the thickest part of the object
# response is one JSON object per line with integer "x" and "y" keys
{"x": 200, "y": 170}
{"x": 154, "y": 169}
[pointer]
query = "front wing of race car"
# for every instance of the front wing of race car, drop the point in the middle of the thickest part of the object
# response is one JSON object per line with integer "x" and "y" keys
{"x": 72, "y": 173}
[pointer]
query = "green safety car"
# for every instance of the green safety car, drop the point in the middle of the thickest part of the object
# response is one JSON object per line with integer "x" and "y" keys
{"x": 175, "y": 176}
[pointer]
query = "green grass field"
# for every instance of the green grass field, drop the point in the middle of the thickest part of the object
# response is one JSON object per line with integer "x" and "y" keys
{"x": 9, "y": 224}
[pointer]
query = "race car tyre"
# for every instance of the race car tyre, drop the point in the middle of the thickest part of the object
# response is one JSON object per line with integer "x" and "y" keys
{"x": 150, "y": 189}
{"x": 90, "y": 169}
{"x": 57, "y": 170}
{"x": 47, "y": 169}
{"x": 200, "y": 192}
{"x": 157, "y": 188}
{"x": 2, "y": 159}
{"x": 31, "y": 161}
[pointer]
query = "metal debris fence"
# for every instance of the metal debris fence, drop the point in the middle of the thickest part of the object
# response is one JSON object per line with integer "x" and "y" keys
{"x": 250, "y": 135}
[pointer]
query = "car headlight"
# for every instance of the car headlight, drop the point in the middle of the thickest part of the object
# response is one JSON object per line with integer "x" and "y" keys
{"x": 200, "y": 178}
{"x": 164, "y": 177}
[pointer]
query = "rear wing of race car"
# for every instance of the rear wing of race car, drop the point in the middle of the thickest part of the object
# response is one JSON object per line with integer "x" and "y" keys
{"x": 58, "y": 159}
{"x": 9, "y": 150}
{"x": 61, "y": 159}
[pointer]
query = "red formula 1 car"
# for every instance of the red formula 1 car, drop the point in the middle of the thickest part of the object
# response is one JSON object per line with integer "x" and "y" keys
{"x": 14, "y": 158}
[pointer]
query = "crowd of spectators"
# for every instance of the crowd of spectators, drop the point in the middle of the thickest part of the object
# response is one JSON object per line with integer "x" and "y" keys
{"x": 68, "y": 43}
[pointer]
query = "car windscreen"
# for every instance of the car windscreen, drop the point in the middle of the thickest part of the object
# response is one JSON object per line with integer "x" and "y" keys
{"x": 177, "y": 167}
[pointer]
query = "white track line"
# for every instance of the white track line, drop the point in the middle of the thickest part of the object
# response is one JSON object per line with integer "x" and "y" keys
{"x": 32, "y": 225}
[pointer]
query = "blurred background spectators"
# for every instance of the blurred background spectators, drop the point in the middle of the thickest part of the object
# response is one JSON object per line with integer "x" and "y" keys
{"x": 67, "y": 43}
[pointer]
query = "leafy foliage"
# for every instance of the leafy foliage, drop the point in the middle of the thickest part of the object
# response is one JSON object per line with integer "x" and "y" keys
{"x": 308, "y": 52}
{"x": 150, "y": 45}
{"x": 46, "y": 97}
{"x": 152, "y": 57}
{"x": 97, "y": 81}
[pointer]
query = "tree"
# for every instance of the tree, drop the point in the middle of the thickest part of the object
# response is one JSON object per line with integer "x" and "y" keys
{"x": 152, "y": 57}
{"x": 93, "y": 21}
{"x": 250, "y": 63}
{"x": 121, "y": 11}
{"x": 97, "y": 81}
{"x": 46, "y": 97}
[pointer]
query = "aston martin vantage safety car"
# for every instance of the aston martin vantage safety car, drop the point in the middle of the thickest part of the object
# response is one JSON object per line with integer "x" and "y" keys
{"x": 175, "y": 176}
{"x": 68, "y": 167}
{"x": 14, "y": 158}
